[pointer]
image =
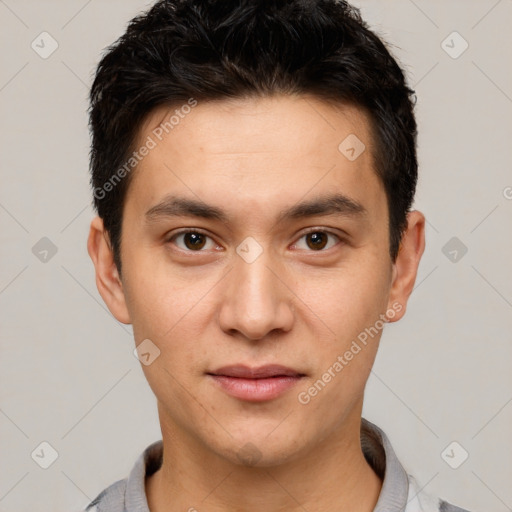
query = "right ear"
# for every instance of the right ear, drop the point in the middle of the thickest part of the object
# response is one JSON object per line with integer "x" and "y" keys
{"x": 108, "y": 280}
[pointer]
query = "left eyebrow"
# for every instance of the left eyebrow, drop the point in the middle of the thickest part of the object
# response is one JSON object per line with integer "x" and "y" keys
{"x": 335, "y": 204}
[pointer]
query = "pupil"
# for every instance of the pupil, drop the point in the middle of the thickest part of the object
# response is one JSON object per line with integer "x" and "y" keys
{"x": 194, "y": 240}
{"x": 318, "y": 240}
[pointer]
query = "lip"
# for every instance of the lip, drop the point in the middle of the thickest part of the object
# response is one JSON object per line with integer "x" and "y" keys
{"x": 257, "y": 384}
{"x": 259, "y": 372}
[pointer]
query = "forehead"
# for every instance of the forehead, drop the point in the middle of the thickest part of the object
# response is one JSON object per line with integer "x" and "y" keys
{"x": 260, "y": 124}
{"x": 256, "y": 151}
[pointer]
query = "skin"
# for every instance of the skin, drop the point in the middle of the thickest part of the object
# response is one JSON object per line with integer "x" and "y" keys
{"x": 295, "y": 305}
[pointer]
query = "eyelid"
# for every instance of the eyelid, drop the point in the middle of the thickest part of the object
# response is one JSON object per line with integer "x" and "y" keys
{"x": 320, "y": 229}
{"x": 187, "y": 230}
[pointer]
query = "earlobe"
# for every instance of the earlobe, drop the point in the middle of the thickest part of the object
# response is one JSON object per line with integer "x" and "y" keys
{"x": 407, "y": 262}
{"x": 108, "y": 280}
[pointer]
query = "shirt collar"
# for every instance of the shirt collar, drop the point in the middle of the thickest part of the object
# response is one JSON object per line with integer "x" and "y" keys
{"x": 375, "y": 444}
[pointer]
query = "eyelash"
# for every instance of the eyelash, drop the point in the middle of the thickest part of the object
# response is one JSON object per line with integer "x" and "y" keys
{"x": 200, "y": 232}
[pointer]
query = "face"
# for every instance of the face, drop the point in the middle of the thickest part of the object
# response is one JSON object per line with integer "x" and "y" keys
{"x": 252, "y": 238}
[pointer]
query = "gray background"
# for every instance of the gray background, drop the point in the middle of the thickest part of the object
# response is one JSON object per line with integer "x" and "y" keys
{"x": 68, "y": 375}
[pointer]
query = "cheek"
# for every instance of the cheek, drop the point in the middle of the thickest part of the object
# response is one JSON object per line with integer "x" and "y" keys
{"x": 347, "y": 299}
{"x": 172, "y": 310}
{"x": 163, "y": 299}
{"x": 348, "y": 306}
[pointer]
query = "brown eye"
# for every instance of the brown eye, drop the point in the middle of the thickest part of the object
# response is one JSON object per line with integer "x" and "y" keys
{"x": 192, "y": 241}
{"x": 317, "y": 240}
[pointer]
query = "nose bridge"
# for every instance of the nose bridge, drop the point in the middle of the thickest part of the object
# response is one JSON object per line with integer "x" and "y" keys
{"x": 255, "y": 302}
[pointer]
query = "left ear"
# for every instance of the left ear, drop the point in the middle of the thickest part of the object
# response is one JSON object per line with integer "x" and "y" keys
{"x": 406, "y": 265}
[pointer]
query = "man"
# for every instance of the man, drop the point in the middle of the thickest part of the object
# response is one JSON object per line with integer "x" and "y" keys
{"x": 254, "y": 166}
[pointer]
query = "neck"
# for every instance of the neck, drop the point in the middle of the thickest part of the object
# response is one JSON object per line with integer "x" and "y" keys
{"x": 334, "y": 475}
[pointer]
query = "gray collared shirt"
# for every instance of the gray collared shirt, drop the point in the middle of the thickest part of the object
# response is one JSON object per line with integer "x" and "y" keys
{"x": 399, "y": 493}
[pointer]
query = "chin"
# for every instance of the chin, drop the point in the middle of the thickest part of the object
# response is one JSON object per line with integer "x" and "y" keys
{"x": 259, "y": 451}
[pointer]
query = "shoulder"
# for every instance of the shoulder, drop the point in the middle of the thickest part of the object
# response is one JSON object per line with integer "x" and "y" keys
{"x": 419, "y": 501}
{"x": 110, "y": 499}
{"x": 129, "y": 494}
{"x": 447, "y": 507}
{"x": 400, "y": 492}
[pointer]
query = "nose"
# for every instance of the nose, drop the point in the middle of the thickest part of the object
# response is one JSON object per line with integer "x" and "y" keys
{"x": 256, "y": 300}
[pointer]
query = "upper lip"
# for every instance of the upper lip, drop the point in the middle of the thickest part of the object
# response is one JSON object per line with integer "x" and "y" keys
{"x": 259, "y": 372}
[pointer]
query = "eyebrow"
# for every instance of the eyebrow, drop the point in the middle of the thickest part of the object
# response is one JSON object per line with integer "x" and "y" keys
{"x": 334, "y": 204}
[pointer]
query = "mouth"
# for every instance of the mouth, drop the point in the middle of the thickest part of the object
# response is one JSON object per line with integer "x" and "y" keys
{"x": 256, "y": 384}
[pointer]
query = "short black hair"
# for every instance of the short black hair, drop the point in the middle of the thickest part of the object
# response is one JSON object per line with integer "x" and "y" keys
{"x": 217, "y": 49}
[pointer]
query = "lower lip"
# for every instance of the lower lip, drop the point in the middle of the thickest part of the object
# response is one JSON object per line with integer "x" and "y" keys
{"x": 255, "y": 390}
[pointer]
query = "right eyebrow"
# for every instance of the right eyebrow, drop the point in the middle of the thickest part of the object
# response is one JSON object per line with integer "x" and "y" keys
{"x": 173, "y": 206}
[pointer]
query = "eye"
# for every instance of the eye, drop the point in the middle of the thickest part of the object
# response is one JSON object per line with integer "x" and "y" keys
{"x": 318, "y": 240}
{"x": 192, "y": 241}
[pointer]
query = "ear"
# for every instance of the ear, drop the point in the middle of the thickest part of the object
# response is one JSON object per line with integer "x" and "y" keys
{"x": 108, "y": 280}
{"x": 406, "y": 265}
